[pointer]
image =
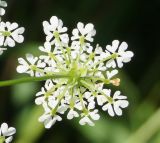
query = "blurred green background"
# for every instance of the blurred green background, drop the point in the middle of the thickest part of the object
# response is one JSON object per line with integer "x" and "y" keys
{"x": 135, "y": 21}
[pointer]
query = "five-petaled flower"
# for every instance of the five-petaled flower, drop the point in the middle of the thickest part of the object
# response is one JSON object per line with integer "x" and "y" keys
{"x": 55, "y": 31}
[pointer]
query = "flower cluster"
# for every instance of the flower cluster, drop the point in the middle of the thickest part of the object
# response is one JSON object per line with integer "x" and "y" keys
{"x": 78, "y": 74}
{"x": 6, "y": 133}
{"x": 10, "y": 33}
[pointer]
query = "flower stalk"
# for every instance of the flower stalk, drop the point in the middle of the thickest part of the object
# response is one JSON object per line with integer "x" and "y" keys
{"x": 30, "y": 79}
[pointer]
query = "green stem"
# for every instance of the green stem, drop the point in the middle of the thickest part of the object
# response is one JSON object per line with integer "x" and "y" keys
{"x": 113, "y": 56}
{"x": 2, "y": 139}
{"x": 30, "y": 79}
{"x": 147, "y": 130}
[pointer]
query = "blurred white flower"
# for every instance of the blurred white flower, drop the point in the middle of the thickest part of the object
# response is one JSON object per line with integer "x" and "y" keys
{"x": 2, "y": 4}
{"x": 10, "y": 33}
{"x": 6, "y": 133}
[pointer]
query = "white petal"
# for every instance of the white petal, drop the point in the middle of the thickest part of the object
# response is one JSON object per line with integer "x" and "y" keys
{"x": 39, "y": 100}
{"x": 64, "y": 38}
{"x": 71, "y": 114}
{"x": 1, "y": 40}
{"x": 118, "y": 96}
{"x": 49, "y": 123}
{"x": 22, "y": 69}
{"x": 91, "y": 105}
{"x": 94, "y": 115}
{"x": 17, "y": 38}
{"x": 4, "y": 128}
{"x": 47, "y": 46}
{"x": 86, "y": 120}
{"x": 49, "y": 37}
{"x": 80, "y": 27}
{"x": 88, "y": 28}
{"x": 107, "y": 92}
{"x": 112, "y": 73}
{"x": 123, "y": 47}
{"x": 2, "y": 11}
{"x": 10, "y": 131}
{"x": 3, "y": 3}
{"x": 9, "y": 139}
{"x": 10, "y": 42}
{"x": 62, "y": 30}
{"x": 12, "y": 26}
{"x": 111, "y": 63}
{"x": 108, "y": 107}
{"x": 54, "y": 22}
{"x": 101, "y": 100}
{"x": 44, "y": 117}
{"x": 127, "y": 54}
{"x": 120, "y": 62}
{"x": 117, "y": 109}
{"x": 75, "y": 32}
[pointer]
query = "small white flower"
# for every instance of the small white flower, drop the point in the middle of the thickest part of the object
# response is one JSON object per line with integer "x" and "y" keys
{"x": 87, "y": 119}
{"x": 6, "y": 133}
{"x": 10, "y": 33}
{"x": 30, "y": 65}
{"x": 2, "y": 4}
{"x": 44, "y": 93}
{"x": 114, "y": 107}
{"x": 47, "y": 118}
{"x": 82, "y": 36}
{"x": 55, "y": 31}
{"x": 123, "y": 56}
{"x": 86, "y": 31}
{"x": 71, "y": 114}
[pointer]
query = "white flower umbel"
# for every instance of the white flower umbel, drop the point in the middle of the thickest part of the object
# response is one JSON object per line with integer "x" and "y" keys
{"x": 10, "y": 34}
{"x": 2, "y": 5}
{"x": 80, "y": 74}
{"x": 6, "y": 133}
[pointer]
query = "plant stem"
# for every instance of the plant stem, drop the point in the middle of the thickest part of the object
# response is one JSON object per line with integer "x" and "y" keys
{"x": 30, "y": 79}
{"x": 147, "y": 130}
